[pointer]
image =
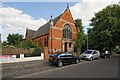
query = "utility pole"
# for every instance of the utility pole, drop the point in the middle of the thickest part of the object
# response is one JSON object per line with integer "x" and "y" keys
{"x": 87, "y": 38}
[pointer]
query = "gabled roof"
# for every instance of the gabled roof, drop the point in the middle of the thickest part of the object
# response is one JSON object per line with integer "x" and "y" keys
{"x": 31, "y": 33}
{"x": 45, "y": 28}
{"x": 57, "y": 18}
{"x": 42, "y": 30}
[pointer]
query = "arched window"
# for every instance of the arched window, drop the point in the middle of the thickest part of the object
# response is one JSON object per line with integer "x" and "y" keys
{"x": 67, "y": 31}
{"x": 46, "y": 41}
{"x": 39, "y": 43}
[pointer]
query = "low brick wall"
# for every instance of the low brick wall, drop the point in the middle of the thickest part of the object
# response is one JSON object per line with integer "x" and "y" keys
{"x": 11, "y": 51}
{"x": 12, "y": 58}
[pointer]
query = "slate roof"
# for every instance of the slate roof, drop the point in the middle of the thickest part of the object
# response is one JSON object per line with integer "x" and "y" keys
{"x": 32, "y": 33}
{"x": 43, "y": 30}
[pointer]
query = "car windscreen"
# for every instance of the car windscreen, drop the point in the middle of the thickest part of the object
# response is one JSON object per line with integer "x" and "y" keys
{"x": 54, "y": 55}
{"x": 87, "y": 52}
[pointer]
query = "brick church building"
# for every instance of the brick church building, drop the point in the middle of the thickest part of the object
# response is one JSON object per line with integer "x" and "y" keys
{"x": 57, "y": 35}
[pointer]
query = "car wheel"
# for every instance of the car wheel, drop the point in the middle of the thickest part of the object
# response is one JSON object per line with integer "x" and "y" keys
{"x": 76, "y": 61}
{"x": 99, "y": 57}
{"x": 60, "y": 64}
{"x": 91, "y": 59}
{"x": 105, "y": 56}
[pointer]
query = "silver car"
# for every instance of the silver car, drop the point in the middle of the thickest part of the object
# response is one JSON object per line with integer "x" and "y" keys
{"x": 90, "y": 55}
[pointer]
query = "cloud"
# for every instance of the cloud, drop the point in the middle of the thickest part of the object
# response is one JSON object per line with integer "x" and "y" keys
{"x": 13, "y": 20}
{"x": 86, "y": 9}
{"x": 16, "y": 21}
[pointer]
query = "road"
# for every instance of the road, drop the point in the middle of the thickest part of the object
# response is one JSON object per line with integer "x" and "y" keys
{"x": 103, "y": 68}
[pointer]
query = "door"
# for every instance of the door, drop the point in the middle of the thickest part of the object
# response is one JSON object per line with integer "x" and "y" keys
{"x": 94, "y": 55}
{"x": 70, "y": 58}
{"x": 65, "y": 48}
{"x": 63, "y": 58}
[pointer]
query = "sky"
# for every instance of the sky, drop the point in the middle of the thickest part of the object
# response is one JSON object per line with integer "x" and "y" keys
{"x": 17, "y": 16}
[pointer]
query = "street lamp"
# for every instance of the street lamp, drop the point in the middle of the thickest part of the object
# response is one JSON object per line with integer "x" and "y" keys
{"x": 91, "y": 30}
{"x": 87, "y": 38}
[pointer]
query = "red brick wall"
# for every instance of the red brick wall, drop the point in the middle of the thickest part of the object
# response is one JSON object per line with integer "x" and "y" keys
{"x": 40, "y": 41}
{"x": 57, "y": 44}
{"x": 46, "y": 56}
{"x": 67, "y": 16}
{"x": 58, "y": 28}
{"x": 27, "y": 35}
{"x": 57, "y": 34}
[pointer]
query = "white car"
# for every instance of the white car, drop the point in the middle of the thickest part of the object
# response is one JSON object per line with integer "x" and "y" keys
{"x": 90, "y": 55}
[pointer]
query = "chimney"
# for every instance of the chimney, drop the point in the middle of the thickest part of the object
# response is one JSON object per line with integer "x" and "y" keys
{"x": 67, "y": 7}
{"x": 51, "y": 21}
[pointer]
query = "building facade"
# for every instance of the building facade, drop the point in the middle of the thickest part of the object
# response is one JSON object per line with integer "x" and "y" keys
{"x": 57, "y": 35}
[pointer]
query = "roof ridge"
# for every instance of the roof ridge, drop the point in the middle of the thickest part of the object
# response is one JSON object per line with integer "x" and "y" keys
{"x": 46, "y": 26}
{"x": 31, "y": 29}
{"x": 39, "y": 29}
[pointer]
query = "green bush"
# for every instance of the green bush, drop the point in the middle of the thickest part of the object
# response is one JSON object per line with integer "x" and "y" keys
{"x": 29, "y": 44}
{"x": 36, "y": 52}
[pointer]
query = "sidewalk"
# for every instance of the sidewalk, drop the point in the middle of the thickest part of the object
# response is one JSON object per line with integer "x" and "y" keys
{"x": 22, "y": 59}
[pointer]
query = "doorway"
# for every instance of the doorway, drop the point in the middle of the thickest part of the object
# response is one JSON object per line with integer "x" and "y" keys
{"x": 65, "y": 47}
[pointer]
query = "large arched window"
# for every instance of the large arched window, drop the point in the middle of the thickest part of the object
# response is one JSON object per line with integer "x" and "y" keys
{"x": 67, "y": 31}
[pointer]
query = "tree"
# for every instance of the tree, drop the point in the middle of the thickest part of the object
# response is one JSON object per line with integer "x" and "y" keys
{"x": 29, "y": 44}
{"x": 17, "y": 41}
{"x": 14, "y": 39}
{"x": 106, "y": 30}
{"x": 80, "y": 40}
{"x": 0, "y": 39}
{"x": 4, "y": 43}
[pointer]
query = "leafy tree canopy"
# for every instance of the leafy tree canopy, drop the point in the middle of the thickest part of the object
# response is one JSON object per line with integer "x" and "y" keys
{"x": 106, "y": 30}
{"x": 29, "y": 44}
{"x": 14, "y": 39}
{"x": 80, "y": 36}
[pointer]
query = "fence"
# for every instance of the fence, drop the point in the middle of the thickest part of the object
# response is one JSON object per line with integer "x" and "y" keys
{"x": 12, "y": 58}
{"x": 10, "y": 55}
{"x": 11, "y": 51}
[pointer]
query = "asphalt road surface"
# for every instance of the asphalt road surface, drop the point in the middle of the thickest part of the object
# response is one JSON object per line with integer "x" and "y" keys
{"x": 103, "y": 68}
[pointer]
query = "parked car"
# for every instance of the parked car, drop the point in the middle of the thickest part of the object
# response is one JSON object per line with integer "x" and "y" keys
{"x": 90, "y": 55}
{"x": 118, "y": 51}
{"x": 105, "y": 54}
{"x": 61, "y": 58}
